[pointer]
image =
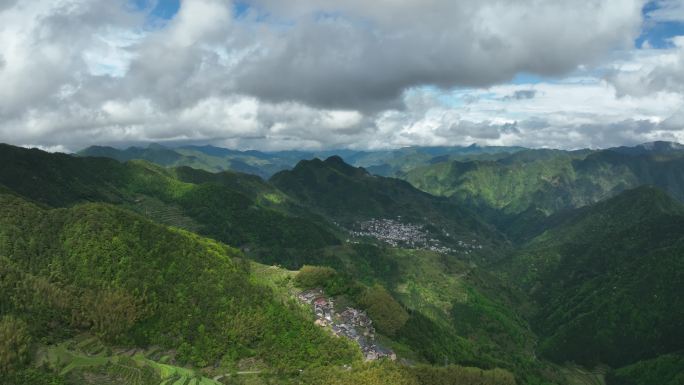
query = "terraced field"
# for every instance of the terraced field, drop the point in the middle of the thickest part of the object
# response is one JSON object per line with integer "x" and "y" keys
{"x": 87, "y": 361}
{"x": 164, "y": 213}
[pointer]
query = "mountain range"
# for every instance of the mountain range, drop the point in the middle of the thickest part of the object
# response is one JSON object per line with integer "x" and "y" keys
{"x": 477, "y": 265}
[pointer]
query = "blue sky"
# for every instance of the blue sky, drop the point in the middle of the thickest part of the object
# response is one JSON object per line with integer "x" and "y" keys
{"x": 658, "y": 33}
{"x": 162, "y": 9}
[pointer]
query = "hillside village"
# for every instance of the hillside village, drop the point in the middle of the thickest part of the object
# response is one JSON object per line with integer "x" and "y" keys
{"x": 398, "y": 234}
{"x": 350, "y": 323}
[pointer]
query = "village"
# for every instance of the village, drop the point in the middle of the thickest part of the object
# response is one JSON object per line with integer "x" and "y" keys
{"x": 350, "y": 323}
{"x": 398, "y": 234}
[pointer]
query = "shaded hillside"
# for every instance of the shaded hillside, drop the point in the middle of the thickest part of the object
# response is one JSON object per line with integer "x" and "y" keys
{"x": 234, "y": 208}
{"x": 608, "y": 280}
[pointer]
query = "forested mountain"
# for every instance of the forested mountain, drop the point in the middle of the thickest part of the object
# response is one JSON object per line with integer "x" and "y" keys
{"x": 235, "y": 208}
{"x": 608, "y": 280}
{"x": 553, "y": 180}
{"x": 99, "y": 269}
{"x": 245, "y": 211}
{"x": 351, "y": 195}
{"x": 124, "y": 271}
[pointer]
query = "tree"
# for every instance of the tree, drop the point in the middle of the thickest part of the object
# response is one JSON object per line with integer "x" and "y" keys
{"x": 110, "y": 312}
{"x": 388, "y": 315}
{"x": 313, "y": 276}
{"x": 14, "y": 344}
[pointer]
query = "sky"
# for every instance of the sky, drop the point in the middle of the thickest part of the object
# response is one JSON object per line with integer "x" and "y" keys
{"x": 322, "y": 74}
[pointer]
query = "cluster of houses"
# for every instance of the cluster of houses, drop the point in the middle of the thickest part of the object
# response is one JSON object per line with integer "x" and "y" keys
{"x": 350, "y": 323}
{"x": 399, "y": 234}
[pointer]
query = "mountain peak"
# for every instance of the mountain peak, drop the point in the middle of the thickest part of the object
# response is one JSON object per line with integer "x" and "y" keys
{"x": 336, "y": 162}
{"x": 661, "y": 145}
{"x": 335, "y": 159}
{"x": 656, "y": 147}
{"x": 156, "y": 146}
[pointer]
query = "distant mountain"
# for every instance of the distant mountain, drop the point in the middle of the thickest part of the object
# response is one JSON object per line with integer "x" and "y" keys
{"x": 394, "y": 162}
{"x": 265, "y": 164}
{"x": 654, "y": 148}
{"x": 608, "y": 280}
{"x": 207, "y": 158}
{"x": 552, "y": 180}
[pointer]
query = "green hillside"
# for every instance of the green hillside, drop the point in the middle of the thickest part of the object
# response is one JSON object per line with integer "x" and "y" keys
{"x": 608, "y": 280}
{"x": 98, "y": 269}
{"x": 550, "y": 180}
{"x": 665, "y": 370}
{"x": 235, "y": 208}
{"x": 457, "y": 313}
{"x": 96, "y": 288}
{"x": 128, "y": 282}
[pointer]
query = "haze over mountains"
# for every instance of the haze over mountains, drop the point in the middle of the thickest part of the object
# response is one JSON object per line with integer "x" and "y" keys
{"x": 265, "y": 164}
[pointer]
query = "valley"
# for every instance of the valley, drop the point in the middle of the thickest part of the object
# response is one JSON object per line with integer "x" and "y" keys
{"x": 483, "y": 266}
{"x": 316, "y": 192}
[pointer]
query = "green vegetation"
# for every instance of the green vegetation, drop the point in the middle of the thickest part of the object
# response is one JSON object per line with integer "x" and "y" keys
{"x": 314, "y": 276}
{"x": 14, "y": 344}
{"x": 387, "y": 373}
{"x": 348, "y": 195}
{"x": 663, "y": 370}
{"x": 226, "y": 206}
{"x": 215, "y": 159}
{"x": 549, "y": 180}
{"x": 444, "y": 315}
{"x": 111, "y": 273}
{"x": 207, "y": 158}
{"x": 607, "y": 280}
{"x": 388, "y": 315}
{"x": 93, "y": 292}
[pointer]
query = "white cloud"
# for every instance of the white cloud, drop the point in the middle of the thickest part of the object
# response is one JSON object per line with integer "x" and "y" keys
{"x": 650, "y": 71}
{"x": 668, "y": 10}
{"x": 314, "y": 74}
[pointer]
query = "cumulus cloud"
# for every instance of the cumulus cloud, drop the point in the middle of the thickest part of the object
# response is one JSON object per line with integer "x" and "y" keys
{"x": 314, "y": 74}
{"x": 364, "y": 55}
{"x": 651, "y": 71}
